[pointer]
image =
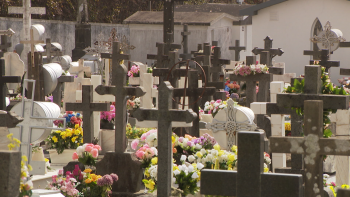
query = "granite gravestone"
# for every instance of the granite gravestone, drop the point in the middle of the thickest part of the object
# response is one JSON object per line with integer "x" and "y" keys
{"x": 3, "y": 81}
{"x": 164, "y": 115}
{"x": 313, "y": 146}
{"x": 88, "y": 107}
{"x": 249, "y": 180}
{"x": 237, "y": 48}
{"x": 161, "y": 58}
{"x": 126, "y": 165}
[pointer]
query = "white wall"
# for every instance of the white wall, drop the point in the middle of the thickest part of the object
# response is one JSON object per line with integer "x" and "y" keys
{"x": 292, "y": 27}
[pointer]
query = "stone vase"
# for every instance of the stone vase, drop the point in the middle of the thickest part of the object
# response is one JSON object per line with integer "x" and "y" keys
{"x": 63, "y": 158}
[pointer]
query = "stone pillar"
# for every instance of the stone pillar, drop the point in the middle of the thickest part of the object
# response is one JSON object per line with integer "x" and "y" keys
{"x": 10, "y": 173}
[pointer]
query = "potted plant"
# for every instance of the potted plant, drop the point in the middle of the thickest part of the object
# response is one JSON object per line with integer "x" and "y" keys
{"x": 107, "y": 118}
{"x": 134, "y": 75}
{"x": 132, "y": 105}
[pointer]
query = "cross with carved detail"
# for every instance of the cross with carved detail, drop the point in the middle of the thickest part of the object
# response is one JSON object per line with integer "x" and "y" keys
{"x": 268, "y": 47}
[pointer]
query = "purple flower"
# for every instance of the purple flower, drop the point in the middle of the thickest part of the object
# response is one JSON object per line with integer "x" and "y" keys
{"x": 114, "y": 177}
{"x": 108, "y": 180}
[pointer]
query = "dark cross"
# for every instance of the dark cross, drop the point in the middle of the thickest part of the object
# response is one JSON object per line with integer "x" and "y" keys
{"x": 35, "y": 72}
{"x": 237, "y": 50}
{"x": 87, "y": 107}
{"x": 199, "y": 48}
{"x": 250, "y": 180}
{"x": 4, "y": 44}
{"x": 3, "y": 80}
{"x": 168, "y": 20}
{"x": 316, "y": 54}
{"x": 162, "y": 59}
{"x": 116, "y": 57}
{"x": 32, "y": 43}
{"x": 164, "y": 115}
{"x": 50, "y": 52}
{"x": 217, "y": 64}
{"x": 121, "y": 93}
{"x": 193, "y": 93}
{"x": 204, "y": 57}
{"x": 57, "y": 93}
{"x": 344, "y": 44}
{"x": 324, "y": 61}
{"x": 343, "y": 192}
{"x": 312, "y": 146}
{"x": 185, "y": 34}
{"x": 268, "y": 47}
{"x": 214, "y": 43}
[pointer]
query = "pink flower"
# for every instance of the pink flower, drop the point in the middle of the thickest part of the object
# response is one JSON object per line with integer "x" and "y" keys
{"x": 94, "y": 153}
{"x": 139, "y": 154}
{"x": 75, "y": 156}
{"x": 60, "y": 172}
{"x": 98, "y": 147}
{"x": 89, "y": 147}
{"x": 257, "y": 89}
{"x": 134, "y": 144}
{"x": 54, "y": 178}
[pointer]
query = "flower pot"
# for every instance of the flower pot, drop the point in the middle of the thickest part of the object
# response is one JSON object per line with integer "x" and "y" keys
{"x": 106, "y": 125}
{"x": 63, "y": 158}
{"x": 134, "y": 80}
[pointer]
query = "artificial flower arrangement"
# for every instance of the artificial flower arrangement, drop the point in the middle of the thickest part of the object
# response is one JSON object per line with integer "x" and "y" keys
{"x": 79, "y": 184}
{"x": 332, "y": 186}
{"x": 189, "y": 145}
{"x": 49, "y": 98}
{"x": 213, "y": 107}
{"x": 17, "y": 98}
{"x": 149, "y": 138}
{"x": 132, "y": 104}
{"x": 135, "y": 71}
{"x": 231, "y": 86}
{"x": 245, "y": 70}
{"x": 67, "y": 139}
{"x": 287, "y": 129}
{"x": 71, "y": 119}
{"x": 26, "y": 185}
{"x": 108, "y": 116}
{"x": 145, "y": 154}
{"x": 135, "y": 133}
{"x": 87, "y": 154}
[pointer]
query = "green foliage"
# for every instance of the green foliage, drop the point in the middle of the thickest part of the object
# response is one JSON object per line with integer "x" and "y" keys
{"x": 87, "y": 159}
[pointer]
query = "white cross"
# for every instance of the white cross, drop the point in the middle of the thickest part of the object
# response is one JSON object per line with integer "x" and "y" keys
{"x": 27, "y": 10}
{"x": 231, "y": 124}
{"x": 32, "y": 43}
{"x": 80, "y": 69}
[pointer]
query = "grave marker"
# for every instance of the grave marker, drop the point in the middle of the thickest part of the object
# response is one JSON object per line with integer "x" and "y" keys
{"x": 313, "y": 146}
{"x": 50, "y": 52}
{"x": 164, "y": 115}
{"x": 57, "y": 93}
{"x": 3, "y": 81}
{"x": 325, "y": 61}
{"x": 88, "y": 107}
{"x": 249, "y": 180}
{"x": 162, "y": 59}
{"x": 10, "y": 173}
{"x": 185, "y": 34}
{"x": 14, "y": 66}
{"x": 5, "y": 44}
{"x": 268, "y": 47}
{"x": 32, "y": 43}
{"x": 217, "y": 63}
{"x": 237, "y": 48}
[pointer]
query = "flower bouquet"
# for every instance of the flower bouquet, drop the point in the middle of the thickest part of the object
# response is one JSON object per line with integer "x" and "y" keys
{"x": 145, "y": 154}
{"x": 87, "y": 154}
{"x": 71, "y": 120}
{"x": 245, "y": 70}
{"x": 231, "y": 87}
{"x": 67, "y": 139}
{"x": 189, "y": 145}
{"x": 133, "y": 104}
{"x": 135, "y": 133}
{"x": 134, "y": 71}
{"x": 213, "y": 107}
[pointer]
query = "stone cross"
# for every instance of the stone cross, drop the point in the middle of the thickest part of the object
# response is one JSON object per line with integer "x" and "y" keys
{"x": 162, "y": 59}
{"x": 80, "y": 69}
{"x": 313, "y": 146}
{"x": 87, "y": 107}
{"x": 231, "y": 125}
{"x": 204, "y": 57}
{"x": 185, "y": 34}
{"x": 268, "y": 47}
{"x": 324, "y": 61}
{"x": 10, "y": 173}
{"x": 27, "y": 10}
{"x": 327, "y": 39}
{"x": 237, "y": 50}
{"x": 165, "y": 115}
{"x": 32, "y": 43}
{"x": 83, "y": 16}
{"x": 35, "y": 71}
{"x": 217, "y": 63}
{"x": 4, "y": 44}
{"x": 249, "y": 179}
{"x": 49, "y": 52}
{"x": 193, "y": 93}
{"x": 316, "y": 54}
{"x": 57, "y": 93}
{"x": 116, "y": 57}
{"x": 3, "y": 81}
{"x": 168, "y": 20}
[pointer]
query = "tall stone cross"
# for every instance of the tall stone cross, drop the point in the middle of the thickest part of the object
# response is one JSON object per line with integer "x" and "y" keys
{"x": 313, "y": 146}
{"x": 316, "y": 54}
{"x": 32, "y": 43}
{"x": 88, "y": 107}
{"x": 205, "y": 58}
{"x": 5, "y": 44}
{"x": 237, "y": 50}
{"x": 161, "y": 57}
{"x": 49, "y": 51}
{"x": 185, "y": 55}
{"x": 193, "y": 93}
{"x": 165, "y": 115}
{"x": 217, "y": 63}
{"x": 268, "y": 47}
{"x": 57, "y": 93}
{"x": 250, "y": 180}
{"x": 27, "y": 10}
{"x": 117, "y": 57}
{"x": 3, "y": 80}
{"x": 324, "y": 60}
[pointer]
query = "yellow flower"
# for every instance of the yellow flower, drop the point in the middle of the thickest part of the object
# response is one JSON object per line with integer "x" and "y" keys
{"x": 54, "y": 138}
{"x": 76, "y": 132}
{"x": 87, "y": 170}
{"x": 287, "y": 126}
{"x": 73, "y": 139}
{"x": 150, "y": 184}
{"x": 221, "y": 152}
{"x": 81, "y": 141}
{"x": 69, "y": 134}
{"x": 147, "y": 173}
{"x": 93, "y": 177}
{"x": 98, "y": 177}
{"x": 266, "y": 169}
{"x": 63, "y": 134}
{"x": 9, "y": 136}
{"x": 332, "y": 188}
{"x": 234, "y": 149}
{"x": 194, "y": 166}
{"x": 23, "y": 174}
{"x": 17, "y": 141}
{"x": 24, "y": 158}
{"x": 58, "y": 131}
{"x": 76, "y": 126}
{"x": 46, "y": 159}
{"x": 11, "y": 146}
{"x": 172, "y": 139}
{"x": 199, "y": 154}
{"x": 30, "y": 167}
{"x": 88, "y": 180}
{"x": 217, "y": 147}
{"x": 344, "y": 186}
{"x": 231, "y": 157}
{"x": 154, "y": 160}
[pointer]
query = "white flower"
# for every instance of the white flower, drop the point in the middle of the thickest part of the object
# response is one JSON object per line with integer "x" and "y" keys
{"x": 194, "y": 175}
{"x": 214, "y": 152}
{"x": 200, "y": 166}
{"x": 190, "y": 168}
{"x": 198, "y": 184}
{"x": 176, "y": 172}
{"x": 203, "y": 151}
{"x": 154, "y": 150}
{"x": 198, "y": 146}
{"x": 183, "y": 158}
{"x": 191, "y": 158}
{"x": 268, "y": 160}
{"x": 80, "y": 150}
